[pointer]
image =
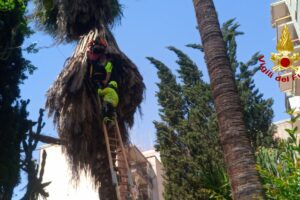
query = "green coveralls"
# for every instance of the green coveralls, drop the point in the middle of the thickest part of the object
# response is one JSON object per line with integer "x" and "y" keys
{"x": 109, "y": 95}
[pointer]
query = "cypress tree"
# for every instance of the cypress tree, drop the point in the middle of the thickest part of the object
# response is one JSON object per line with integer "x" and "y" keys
{"x": 169, "y": 131}
{"x": 258, "y": 111}
{"x": 189, "y": 146}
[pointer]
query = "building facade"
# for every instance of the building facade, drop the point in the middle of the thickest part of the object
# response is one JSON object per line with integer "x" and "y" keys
{"x": 146, "y": 170}
{"x": 287, "y": 13}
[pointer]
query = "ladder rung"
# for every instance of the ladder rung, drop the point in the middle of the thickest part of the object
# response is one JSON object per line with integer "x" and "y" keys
{"x": 116, "y": 153}
{"x": 121, "y": 160}
{"x": 120, "y": 163}
{"x": 122, "y": 168}
{"x": 114, "y": 142}
{"x": 125, "y": 192}
{"x": 113, "y": 146}
{"x": 124, "y": 184}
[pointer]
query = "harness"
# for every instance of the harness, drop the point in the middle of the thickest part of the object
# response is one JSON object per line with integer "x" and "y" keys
{"x": 97, "y": 71}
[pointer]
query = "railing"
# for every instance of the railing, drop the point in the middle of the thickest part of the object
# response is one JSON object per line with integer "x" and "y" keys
{"x": 274, "y": 1}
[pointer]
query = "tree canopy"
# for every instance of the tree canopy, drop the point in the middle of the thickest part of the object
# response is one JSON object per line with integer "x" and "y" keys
{"x": 14, "y": 69}
{"x": 67, "y": 20}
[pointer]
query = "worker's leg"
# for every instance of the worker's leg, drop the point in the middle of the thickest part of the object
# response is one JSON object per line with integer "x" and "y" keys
{"x": 98, "y": 84}
{"x": 108, "y": 111}
{"x": 105, "y": 108}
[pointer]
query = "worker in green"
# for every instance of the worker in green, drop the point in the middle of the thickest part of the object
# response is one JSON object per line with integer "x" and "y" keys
{"x": 105, "y": 70}
{"x": 100, "y": 66}
{"x": 110, "y": 100}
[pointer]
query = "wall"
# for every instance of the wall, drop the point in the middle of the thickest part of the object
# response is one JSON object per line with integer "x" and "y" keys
{"x": 58, "y": 172}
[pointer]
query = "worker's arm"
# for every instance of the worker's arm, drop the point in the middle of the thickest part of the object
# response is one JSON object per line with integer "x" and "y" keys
{"x": 108, "y": 75}
{"x": 102, "y": 92}
{"x": 108, "y": 69}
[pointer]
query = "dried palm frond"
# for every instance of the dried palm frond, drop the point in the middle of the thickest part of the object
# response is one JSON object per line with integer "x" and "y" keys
{"x": 76, "y": 108}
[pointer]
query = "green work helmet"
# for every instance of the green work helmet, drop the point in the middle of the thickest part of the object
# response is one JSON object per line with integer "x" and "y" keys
{"x": 113, "y": 84}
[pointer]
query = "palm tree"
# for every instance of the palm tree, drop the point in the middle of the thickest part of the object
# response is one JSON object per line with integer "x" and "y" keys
{"x": 239, "y": 156}
{"x": 72, "y": 99}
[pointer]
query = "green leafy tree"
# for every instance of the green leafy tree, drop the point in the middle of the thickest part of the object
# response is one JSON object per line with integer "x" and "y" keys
{"x": 280, "y": 167}
{"x": 13, "y": 114}
{"x": 187, "y": 136}
{"x": 9, "y": 5}
{"x": 15, "y": 127}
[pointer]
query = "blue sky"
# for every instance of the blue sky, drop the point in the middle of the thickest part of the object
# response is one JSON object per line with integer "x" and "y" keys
{"x": 148, "y": 26}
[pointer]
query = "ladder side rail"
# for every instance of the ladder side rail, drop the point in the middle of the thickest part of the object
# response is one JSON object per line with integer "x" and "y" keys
{"x": 113, "y": 174}
{"x": 123, "y": 152}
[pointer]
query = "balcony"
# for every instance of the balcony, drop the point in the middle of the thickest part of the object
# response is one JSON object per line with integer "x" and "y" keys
{"x": 293, "y": 32}
{"x": 141, "y": 169}
{"x": 291, "y": 87}
{"x": 139, "y": 174}
{"x": 280, "y": 13}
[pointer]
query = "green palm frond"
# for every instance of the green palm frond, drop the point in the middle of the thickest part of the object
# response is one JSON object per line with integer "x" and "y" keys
{"x": 67, "y": 20}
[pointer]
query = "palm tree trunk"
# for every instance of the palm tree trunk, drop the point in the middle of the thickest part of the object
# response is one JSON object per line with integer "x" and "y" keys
{"x": 238, "y": 154}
